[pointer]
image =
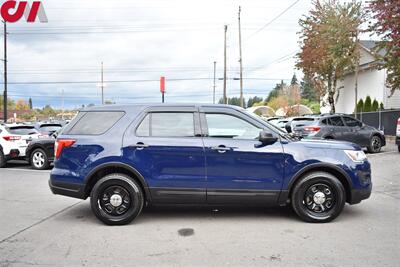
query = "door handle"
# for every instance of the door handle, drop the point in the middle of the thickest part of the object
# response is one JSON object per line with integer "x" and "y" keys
{"x": 140, "y": 145}
{"x": 222, "y": 148}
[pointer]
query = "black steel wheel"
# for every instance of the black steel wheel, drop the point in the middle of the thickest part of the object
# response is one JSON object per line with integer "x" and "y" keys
{"x": 116, "y": 199}
{"x": 375, "y": 144}
{"x": 39, "y": 160}
{"x": 318, "y": 197}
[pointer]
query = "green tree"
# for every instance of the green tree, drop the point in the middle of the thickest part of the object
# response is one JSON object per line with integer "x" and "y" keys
{"x": 253, "y": 100}
{"x": 360, "y": 106}
{"x": 381, "y": 107}
{"x": 367, "y": 104}
{"x": 307, "y": 90}
{"x": 375, "y": 105}
{"x": 385, "y": 14}
{"x": 328, "y": 43}
{"x": 30, "y": 103}
{"x": 274, "y": 93}
{"x": 294, "y": 80}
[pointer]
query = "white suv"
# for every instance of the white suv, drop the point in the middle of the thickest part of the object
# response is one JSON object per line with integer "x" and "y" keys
{"x": 14, "y": 138}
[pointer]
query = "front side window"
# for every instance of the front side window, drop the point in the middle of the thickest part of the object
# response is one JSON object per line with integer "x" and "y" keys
{"x": 352, "y": 122}
{"x": 168, "y": 124}
{"x": 227, "y": 126}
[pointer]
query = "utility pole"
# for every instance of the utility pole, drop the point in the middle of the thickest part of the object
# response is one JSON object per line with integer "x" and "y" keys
{"x": 5, "y": 72}
{"x": 215, "y": 64}
{"x": 102, "y": 84}
{"x": 356, "y": 82}
{"x": 225, "y": 98}
{"x": 240, "y": 62}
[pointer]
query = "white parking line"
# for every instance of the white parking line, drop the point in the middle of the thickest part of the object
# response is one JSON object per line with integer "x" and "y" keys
{"x": 26, "y": 170}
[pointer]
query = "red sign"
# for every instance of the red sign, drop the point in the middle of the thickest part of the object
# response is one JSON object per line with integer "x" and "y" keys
{"x": 12, "y": 11}
{"x": 162, "y": 84}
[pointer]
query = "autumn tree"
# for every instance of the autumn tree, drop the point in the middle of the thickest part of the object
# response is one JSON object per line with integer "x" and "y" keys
{"x": 386, "y": 14}
{"x": 21, "y": 105}
{"x": 328, "y": 41}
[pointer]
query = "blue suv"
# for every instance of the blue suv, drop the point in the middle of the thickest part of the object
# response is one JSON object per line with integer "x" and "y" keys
{"x": 125, "y": 157}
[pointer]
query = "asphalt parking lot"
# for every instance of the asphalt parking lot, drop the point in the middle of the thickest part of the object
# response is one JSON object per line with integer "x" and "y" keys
{"x": 38, "y": 228}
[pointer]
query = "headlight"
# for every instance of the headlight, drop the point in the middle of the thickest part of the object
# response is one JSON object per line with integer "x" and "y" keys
{"x": 356, "y": 155}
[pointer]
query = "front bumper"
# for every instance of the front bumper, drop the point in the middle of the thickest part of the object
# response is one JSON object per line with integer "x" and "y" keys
{"x": 360, "y": 194}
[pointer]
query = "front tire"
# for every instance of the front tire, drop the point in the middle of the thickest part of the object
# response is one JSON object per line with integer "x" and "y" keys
{"x": 39, "y": 159}
{"x": 375, "y": 144}
{"x": 318, "y": 197}
{"x": 116, "y": 199}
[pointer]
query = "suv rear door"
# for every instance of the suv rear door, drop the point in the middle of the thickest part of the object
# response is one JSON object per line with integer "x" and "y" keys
{"x": 167, "y": 149}
{"x": 336, "y": 128}
{"x": 238, "y": 171}
{"x": 355, "y": 132}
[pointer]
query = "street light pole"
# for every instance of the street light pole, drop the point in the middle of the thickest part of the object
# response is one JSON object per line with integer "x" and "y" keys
{"x": 225, "y": 97}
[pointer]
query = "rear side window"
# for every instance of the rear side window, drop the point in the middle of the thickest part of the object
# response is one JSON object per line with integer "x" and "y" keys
{"x": 168, "y": 124}
{"x": 22, "y": 130}
{"x": 336, "y": 121}
{"x": 324, "y": 122}
{"x": 95, "y": 122}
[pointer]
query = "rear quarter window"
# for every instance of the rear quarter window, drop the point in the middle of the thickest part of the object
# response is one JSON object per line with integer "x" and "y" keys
{"x": 94, "y": 122}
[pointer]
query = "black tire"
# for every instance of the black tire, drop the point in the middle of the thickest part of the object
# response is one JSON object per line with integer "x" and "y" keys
{"x": 39, "y": 160}
{"x": 311, "y": 211}
{"x": 2, "y": 159}
{"x": 375, "y": 144}
{"x": 398, "y": 147}
{"x": 127, "y": 191}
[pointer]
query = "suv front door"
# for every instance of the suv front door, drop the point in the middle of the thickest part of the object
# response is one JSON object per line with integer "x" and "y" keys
{"x": 238, "y": 169}
{"x": 167, "y": 149}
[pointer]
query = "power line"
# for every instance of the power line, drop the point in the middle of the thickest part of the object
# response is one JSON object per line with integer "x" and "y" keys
{"x": 272, "y": 20}
{"x": 131, "y": 81}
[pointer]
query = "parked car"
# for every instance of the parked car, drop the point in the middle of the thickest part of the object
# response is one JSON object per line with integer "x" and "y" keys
{"x": 398, "y": 134}
{"x": 14, "y": 139}
{"x": 40, "y": 152}
{"x": 48, "y": 128}
{"x": 124, "y": 156}
{"x": 345, "y": 128}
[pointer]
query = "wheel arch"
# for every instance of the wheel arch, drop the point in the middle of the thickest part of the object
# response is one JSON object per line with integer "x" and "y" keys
{"x": 115, "y": 167}
{"x": 322, "y": 167}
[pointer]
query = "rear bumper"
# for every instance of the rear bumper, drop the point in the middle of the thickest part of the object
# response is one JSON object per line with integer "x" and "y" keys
{"x": 67, "y": 189}
{"x": 360, "y": 194}
{"x": 14, "y": 153}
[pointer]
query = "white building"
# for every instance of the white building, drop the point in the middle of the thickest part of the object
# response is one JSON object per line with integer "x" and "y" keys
{"x": 371, "y": 81}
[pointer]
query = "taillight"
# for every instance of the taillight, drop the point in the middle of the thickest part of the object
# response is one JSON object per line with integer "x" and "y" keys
{"x": 313, "y": 129}
{"x": 12, "y": 138}
{"x": 60, "y": 145}
{"x": 398, "y": 126}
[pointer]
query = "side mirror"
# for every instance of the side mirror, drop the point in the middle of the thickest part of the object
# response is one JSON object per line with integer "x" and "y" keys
{"x": 267, "y": 138}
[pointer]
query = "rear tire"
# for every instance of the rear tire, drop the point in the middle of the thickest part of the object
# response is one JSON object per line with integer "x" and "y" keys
{"x": 398, "y": 147}
{"x": 375, "y": 144}
{"x": 2, "y": 159}
{"x": 116, "y": 199}
{"x": 318, "y": 197}
{"x": 39, "y": 160}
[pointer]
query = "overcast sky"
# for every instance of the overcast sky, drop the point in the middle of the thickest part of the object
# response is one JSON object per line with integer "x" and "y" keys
{"x": 139, "y": 41}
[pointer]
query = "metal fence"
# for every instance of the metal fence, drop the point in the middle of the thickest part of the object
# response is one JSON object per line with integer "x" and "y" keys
{"x": 385, "y": 120}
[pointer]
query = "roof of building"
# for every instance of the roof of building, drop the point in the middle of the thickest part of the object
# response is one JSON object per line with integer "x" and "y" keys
{"x": 369, "y": 46}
